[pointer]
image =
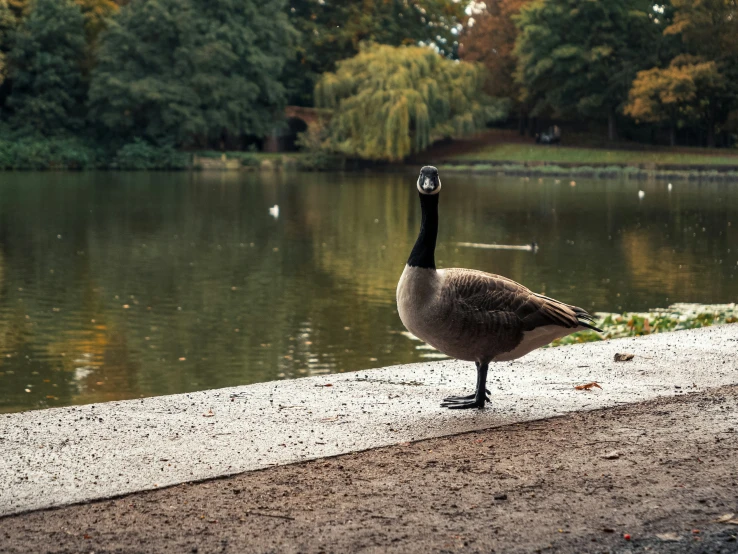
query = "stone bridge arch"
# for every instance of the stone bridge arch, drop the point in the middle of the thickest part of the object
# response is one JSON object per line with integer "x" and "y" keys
{"x": 298, "y": 119}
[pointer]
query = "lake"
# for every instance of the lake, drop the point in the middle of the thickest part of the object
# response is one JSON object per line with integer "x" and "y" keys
{"x": 123, "y": 285}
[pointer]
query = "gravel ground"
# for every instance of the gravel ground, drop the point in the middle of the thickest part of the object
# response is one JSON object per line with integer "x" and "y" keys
{"x": 645, "y": 477}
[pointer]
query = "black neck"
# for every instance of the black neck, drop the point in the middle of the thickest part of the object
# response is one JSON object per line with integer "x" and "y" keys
{"x": 425, "y": 246}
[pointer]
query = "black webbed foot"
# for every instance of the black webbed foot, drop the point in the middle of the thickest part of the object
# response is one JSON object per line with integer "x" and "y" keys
{"x": 467, "y": 397}
{"x": 476, "y": 400}
{"x": 463, "y": 405}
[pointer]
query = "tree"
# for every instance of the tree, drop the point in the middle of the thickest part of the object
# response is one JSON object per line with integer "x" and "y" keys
{"x": 490, "y": 40}
{"x": 392, "y": 101}
{"x": 332, "y": 30}
{"x": 96, "y": 13}
{"x": 679, "y": 93}
{"x": 709, "y": 30}
{"x": 20, "y": 8}
{"x": 46, "y": 68}
{"x": 580, "y": 58}
{"x": 7, "y": 25}
{"x": 192, "y": 71}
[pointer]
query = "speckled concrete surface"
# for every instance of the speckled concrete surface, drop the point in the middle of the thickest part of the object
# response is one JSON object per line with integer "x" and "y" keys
{"x": 66, "y": 455}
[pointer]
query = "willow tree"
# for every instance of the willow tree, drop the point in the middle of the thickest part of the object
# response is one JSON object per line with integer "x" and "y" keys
{"x": 332, "y": 30}
{"x": 390, "y": 102}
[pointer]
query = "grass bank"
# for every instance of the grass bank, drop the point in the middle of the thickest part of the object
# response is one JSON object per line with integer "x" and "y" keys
{"x": 703, "y": 173}
{"x": 676, "y": 317}
{"x": 563, "y": 155}
{"x": 505, "y": 152}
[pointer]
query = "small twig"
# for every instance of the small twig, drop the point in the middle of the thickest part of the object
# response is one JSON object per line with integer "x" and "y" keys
{"x": 269, "y": 515}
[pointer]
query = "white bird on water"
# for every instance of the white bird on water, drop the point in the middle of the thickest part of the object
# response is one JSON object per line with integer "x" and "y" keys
{"x": 274, "y": 211}
{"x": 669, "y": 187}
{"x": 641, "y": 194}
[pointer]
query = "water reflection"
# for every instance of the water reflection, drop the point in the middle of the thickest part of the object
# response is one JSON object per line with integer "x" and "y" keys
{"x": 135, "y": 284}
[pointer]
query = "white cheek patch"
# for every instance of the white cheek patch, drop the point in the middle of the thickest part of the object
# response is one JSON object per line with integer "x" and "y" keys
{"x": 423, "y": 190}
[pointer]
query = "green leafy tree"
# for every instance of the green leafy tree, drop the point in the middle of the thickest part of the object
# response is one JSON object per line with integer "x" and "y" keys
{"x": 679, "y": 94}
{"x": 580, "y": 58}
{"x": 192, "y": 71}
{"x": 7, "y": 25}
{"x": 390, "y": 102}
{"x": 96, "y": 13}
{"x": 20, "y": 8}
{"x": 332, "y": 30}
{"x": 46, "y": 68}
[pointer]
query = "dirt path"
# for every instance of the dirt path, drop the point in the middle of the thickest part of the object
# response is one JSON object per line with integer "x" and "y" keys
{"x": 542, "y": 486}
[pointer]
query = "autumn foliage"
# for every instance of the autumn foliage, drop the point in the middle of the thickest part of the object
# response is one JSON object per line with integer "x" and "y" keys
{"x": 490, "y": 39}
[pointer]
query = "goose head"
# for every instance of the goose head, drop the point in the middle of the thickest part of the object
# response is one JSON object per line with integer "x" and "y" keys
{"x": 429, "y": 182}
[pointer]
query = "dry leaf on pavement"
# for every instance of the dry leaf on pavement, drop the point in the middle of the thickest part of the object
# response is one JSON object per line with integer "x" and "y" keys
{"x": 588, "y": 386}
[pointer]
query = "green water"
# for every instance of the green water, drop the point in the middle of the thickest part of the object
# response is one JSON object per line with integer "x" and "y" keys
{"x": 121, "y": 285}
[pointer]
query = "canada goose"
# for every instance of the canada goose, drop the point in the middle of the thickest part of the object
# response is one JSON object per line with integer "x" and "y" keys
{"x": 472, "y": 315}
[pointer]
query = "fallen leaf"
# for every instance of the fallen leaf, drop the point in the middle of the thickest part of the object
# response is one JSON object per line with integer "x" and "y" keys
{"x": 208, "y": 414}
{"x": 724, "y": 518}
{"x": 614, "y": 455}
{"x": 588, "y": 386}
{"x": 326, "y": 385}
{"x": 624, "y": 357}
{"x": 668, "y": 537}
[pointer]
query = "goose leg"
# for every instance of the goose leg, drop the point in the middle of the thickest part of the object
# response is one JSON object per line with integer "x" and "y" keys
{"x": 469, "y": 396}
{"x": 476, "y": 400}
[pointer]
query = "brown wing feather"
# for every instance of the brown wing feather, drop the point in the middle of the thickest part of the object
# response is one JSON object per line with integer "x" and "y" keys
{"x": 500, "y": 302}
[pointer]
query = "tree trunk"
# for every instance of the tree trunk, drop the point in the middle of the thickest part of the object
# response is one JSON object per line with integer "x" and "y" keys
{"x": 672, "y": 134}
{"x": 532, "y": 126}
{"x": 521, "y": 124}
{"x": 611, "y": 131}
{"x": 710, "y": 130}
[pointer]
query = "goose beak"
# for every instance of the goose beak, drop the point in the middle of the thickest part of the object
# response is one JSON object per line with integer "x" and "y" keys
{"x": 429, "y": 182}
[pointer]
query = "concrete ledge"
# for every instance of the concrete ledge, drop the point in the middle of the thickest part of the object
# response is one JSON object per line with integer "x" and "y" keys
{"x": 61, "y": 456}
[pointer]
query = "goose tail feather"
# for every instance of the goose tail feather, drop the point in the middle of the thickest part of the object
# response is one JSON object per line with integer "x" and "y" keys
{"x": 585, "y": 319}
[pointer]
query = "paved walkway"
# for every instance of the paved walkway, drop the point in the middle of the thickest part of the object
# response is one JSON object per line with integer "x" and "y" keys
{"x": 66, "y": 455}
{"x": 657, "y": 476}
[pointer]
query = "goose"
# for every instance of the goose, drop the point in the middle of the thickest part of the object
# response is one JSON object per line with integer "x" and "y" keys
{"x": 471, "y": 315}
